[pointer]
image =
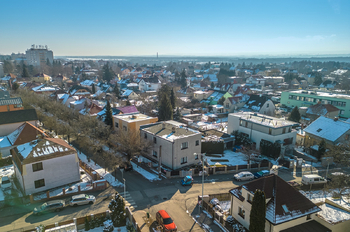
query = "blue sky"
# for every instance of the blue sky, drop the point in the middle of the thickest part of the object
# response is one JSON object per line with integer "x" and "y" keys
{"x": 229, "y": 28}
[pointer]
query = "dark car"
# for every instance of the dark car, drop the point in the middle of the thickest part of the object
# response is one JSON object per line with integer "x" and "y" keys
{"x": 128, "y": 167}
{"x": 261, "y": 174}
{"x": 49, "y": 206}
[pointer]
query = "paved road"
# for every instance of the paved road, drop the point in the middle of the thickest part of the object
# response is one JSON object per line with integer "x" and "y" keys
{"x": 168, "y": 194}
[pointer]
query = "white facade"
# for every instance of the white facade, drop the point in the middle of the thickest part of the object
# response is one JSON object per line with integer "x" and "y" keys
{"x": 258, "y": 127}
{"x": 56, "y": 172}
{"x": 147, "y": 86}
{"x": 173, "y": 151}
{"x": 37, "y": 55}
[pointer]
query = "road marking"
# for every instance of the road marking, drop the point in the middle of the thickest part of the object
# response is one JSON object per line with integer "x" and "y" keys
{"x": 128, "y": 200}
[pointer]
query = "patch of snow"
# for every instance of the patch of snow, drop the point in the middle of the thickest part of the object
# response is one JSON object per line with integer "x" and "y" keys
{"x": 234, "y": 158}
{"x": 149, "y": 176}
{"x": 333, "y": 214}
{"x": 101, "y": 171}
{"x": 225, "y": 205}
{"x": 7, "y": 170}
{"x": 208, "y": 215}
{"x": 99, "y": 229}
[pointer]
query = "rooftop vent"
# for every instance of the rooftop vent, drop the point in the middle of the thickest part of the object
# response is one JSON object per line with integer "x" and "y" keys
{"x": 336, "y": 119}
{"x": 319, "y": 129}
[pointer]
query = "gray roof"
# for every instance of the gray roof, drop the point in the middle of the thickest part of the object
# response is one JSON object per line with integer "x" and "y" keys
{"x": 18, "y": 116}
{"x": 11, "y": 101}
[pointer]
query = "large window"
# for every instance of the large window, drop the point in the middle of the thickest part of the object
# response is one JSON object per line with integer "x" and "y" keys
{"x": 249, "y": 198}
{"x": 184, "y": 145}
{"x": 154, "y": 140}
{"x": 37, "y": 167}
{"x": 184, "y": 160}
{"x": 39, "y": 183}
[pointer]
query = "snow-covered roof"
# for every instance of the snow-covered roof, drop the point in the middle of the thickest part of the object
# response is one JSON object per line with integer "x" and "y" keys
{"x": 87, "y": 83}
{"x": 263, "y": 119}
{"x": 328, "y": 128}
{"x": 36, "y": 149}
{"x": 127, "y": 92}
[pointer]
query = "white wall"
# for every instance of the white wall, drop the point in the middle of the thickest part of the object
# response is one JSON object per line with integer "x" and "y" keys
{"x": 270, "y": 111}
{"x": 7, "y": 129}
{"x": 56, "y": 172}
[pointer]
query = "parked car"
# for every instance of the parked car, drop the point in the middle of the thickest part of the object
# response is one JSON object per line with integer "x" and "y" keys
{"x": 165, "y": 220}
{"x": 5, "y": 183}
{"x": 214, "y": 202}
{"x": 243, "y": 176}
{"x": 56, "y": 205}
{"x": 313, "y": 179}
{"x": 188, "y": 180}
{"x": 261, "y": 174}
{"x": 82, "y": 199}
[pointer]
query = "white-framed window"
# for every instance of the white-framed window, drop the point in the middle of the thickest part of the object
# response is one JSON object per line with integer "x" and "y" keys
{"x": 184, "y": 145}
{"x": 241, "y": 212}
{"x": 197, "y": 142}
{"x": 184, "y": 160}
{"x": 249, "y": 198}
{"x": 155, "y": 154}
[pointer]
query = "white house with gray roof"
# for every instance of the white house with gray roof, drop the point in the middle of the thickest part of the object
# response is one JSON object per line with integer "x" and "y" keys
{"x": 174, "y": 145}
{"x": 258, "y": 126}
{"x": 44, "y": 164}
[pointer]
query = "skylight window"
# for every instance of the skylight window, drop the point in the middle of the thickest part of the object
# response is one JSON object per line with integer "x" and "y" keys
{"x": 286, "y": 210}
{"x": 319, "y": 130}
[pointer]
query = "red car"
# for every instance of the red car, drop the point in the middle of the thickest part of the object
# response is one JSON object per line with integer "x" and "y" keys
{"x": 165, "y": 220}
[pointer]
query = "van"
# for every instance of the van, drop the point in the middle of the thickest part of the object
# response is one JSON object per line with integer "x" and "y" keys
{"x": 313, "y": 179}
{"x": 5, "y": 183}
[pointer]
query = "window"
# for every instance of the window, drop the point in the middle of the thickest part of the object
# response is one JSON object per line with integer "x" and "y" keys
{"x": 125, "y": 128}
{"x": 39, "y": 183}
{"x": 155, "y": 154}
{"x": 197, "y": 142}
{"x": 145, "y": 135}
{"x": 290, "y": 96}
{"x": 37, "y": 167}
{"x": 283, "y": 130}
{"x": 241, "y": 123}
{"x": 184, "y": 160}
{"x": 270, "y": 131}
{"x": 241, "y": 212}
{"x": 246, "y": 124}
{"x": 227, "y": 105}
{"x": 342, "y": 111}
{"x": 267, "y": 105}
{"x": 249, "y": 198}
{"x": 184, "y": 145}
{"x": 154, "y": 140}
{"x": 308, "y": 217}
{"x": 116, "y": 125}
{"x": 196, "y": 157}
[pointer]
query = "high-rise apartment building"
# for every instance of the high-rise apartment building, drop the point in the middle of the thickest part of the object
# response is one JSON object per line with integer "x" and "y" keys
{"x": 39, "y": 54}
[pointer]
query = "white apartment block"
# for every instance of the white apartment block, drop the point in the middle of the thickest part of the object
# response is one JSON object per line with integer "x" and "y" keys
{"x": 38, "y": 55}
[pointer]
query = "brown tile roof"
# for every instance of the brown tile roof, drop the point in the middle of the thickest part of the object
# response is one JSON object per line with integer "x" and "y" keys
{"x": 280, "y": 193}
{"x": 321, "y": 109}
{"x": 24, "y": 134}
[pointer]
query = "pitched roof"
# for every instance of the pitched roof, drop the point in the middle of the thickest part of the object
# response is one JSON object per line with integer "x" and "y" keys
{"x": 5, "y": 99}
{"x": 328, "y": 128}
{"x": 24, "y": 134}
{"x": 18, "y": 116}
{"x": 321, "y": 109}
{"x": 284, "y": 202}
{"x": 128, "y": 109}
{"x": 255, "y": 102}
{"x": 310, "y": 226}
{"x": 43, "y": 149}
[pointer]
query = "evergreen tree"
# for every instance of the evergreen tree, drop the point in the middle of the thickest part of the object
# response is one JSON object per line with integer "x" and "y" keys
{"x": 117, "y": 208}
{"x": 294, "y": 115}
{"x": 15, "y": 86}
{"x": 183, "y": 81}
{"x": 25, "y": 72}
{"x": 178, "y": 114}
{"x": 258, "y": 212}
{"x": 116, "y": 90}
{"x": 212, "y": 85}
{"x": 93, "y": 90}
{"x": 165, "y": 108}
{"x": 87, "y": 224}
{"x": 318, "y": 78}
{"x": 109, "y": 117}
{"x": 108, "y": 73}
{"x": 172, "y": 98}
{"x": 48, "y": 62}
{"x": 221, "y": 100}
{"x": 321, "y": 149}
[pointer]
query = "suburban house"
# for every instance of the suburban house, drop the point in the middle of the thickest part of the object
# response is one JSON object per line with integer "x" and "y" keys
{"x": 118, "y": 110}
{"x": 59, "y": 78}
{"x": 125, "y": 71}
{"x": 23, "y": 134}
{"x": 79, "y": 91}
{"x": 44, "y": 164}
{"x": 41, "y": 78}
{"x": 93, "y": 109}
{"x": 333, "y": 131}
{"x": 149, "y": 84}
{"x": 260, "y": 104}
{"x": 214, "y": 135}
{"x": 45, "y": 89}
{"x": 329, "y": 84}
{"x": 129, "y": 94}
{"x": 132, "y": 122}
{"x": 215, "y": 97}
{"x": 173, "y": 144}
{"x": 286, "y": 207}
{"x": 200, "y": 95}
{"x": 319, "y": 109}
{"x": 233, "y": 103}
{"x": 260, "y": 127}
{"x": 9, "y": 104}
{"x": 80, "y": 104}
{"x": 11, "y": 120}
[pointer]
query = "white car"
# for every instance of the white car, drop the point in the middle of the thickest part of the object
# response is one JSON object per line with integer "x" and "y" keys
{"x": 82, "y": 199}
{"x": 5, "y": 183}
{"x": 243, "y": 176}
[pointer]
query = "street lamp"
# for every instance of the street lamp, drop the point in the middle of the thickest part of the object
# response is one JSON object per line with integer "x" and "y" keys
{"x": 124, "y": 188}
{"x": 202, "y": 160}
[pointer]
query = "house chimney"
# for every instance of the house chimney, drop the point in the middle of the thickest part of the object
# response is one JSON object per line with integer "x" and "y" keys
{"x": 163, "y": 125}
{"x": 173, "y": 129}
{"x": 336, "y": 119}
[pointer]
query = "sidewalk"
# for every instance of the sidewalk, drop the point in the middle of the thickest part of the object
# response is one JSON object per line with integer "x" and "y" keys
{"x": 205, "y": 220}
{"x": 140, "y": 217}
